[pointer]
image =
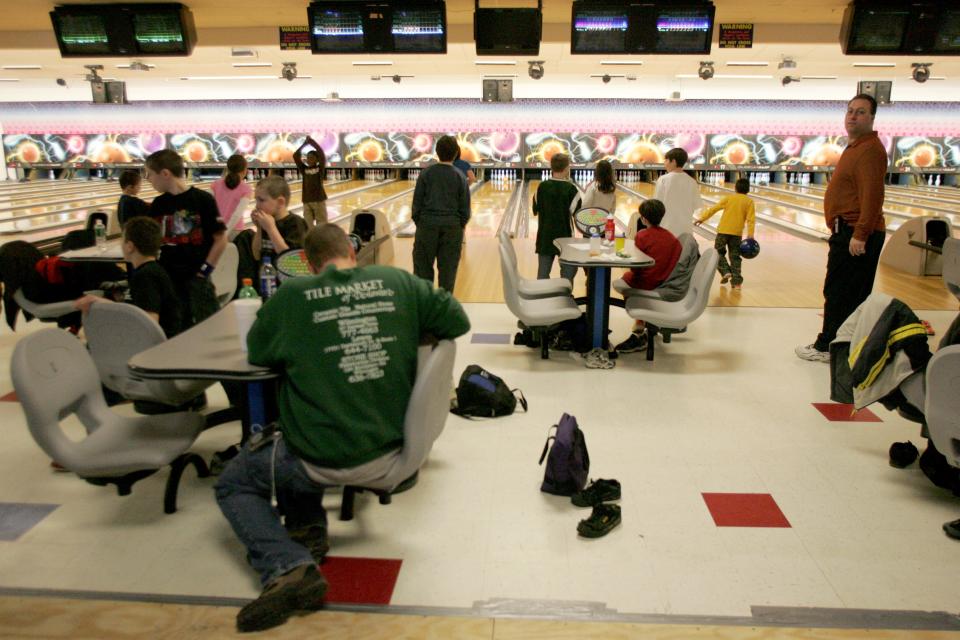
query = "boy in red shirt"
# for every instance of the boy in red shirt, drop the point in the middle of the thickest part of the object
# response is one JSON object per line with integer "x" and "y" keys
{"x": 664, "y": 248}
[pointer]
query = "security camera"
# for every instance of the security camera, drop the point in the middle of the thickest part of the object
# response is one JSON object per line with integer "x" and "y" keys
{"x": 606, "y": 78}
{"x": 61, "y": 82}
{"x": 396, "y": 78}
{"x": 921, "y": 71}
{"x": 536, "y": 69}
{"x": 705, "y": 71}
{"x": 289, "y": 71}
{"x": 788, "y": 79}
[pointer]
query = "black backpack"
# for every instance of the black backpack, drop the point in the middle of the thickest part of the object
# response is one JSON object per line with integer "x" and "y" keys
{"x": 482, "y": 394}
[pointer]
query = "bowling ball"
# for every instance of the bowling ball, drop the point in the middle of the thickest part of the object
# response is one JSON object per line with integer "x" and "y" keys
{"x": 468, "y": 152}
{"x": 246, "y": 143}
{"x": 505, "y": 144}
{"x": 550, "y": 149}
{"x": 29, "y": 152}
{"x": 792, "y": 146}
{"x": 749, "y": 248}
{"x": 737, "y": 153}
{"x": 370, "y": 151}
{"x": 110, "y": 153}
{"x": 923, "y": 156}
{"x": 151, "y": 142}
{"x": 76, "y": 144}
{"x": 423, "y": 143}
{"x": 195, "y": 151}
{"x": 607, "y": 144}
{"x": 828, "y": 155}
{"x": 277, "y": 152}
{"x": 327, "y": 140}
{"x": 692, "y": 143}
{"x": 642, "y": 152}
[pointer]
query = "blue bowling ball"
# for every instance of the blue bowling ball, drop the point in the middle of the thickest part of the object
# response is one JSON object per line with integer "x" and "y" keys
{"x": 749, "y": 248}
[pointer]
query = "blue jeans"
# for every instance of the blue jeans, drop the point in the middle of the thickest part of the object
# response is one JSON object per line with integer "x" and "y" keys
{"x": 244, "y": 495}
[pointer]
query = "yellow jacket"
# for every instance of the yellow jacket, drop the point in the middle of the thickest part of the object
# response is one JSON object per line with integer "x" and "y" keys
{"x": 737, "y": 210}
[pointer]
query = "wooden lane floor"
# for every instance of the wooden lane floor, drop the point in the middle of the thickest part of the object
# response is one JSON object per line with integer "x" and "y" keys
{"x": 895, "y": 194}
{"x": 894, "y": 205}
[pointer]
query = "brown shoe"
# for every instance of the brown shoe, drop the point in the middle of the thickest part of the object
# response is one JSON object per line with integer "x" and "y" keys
{"x": 300, "y": 588}
{"x": 314, "y": 538}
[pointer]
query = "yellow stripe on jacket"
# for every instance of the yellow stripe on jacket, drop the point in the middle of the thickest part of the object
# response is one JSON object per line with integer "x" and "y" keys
{"x": 900, "y": 333}
{"x": 737, "y": 210}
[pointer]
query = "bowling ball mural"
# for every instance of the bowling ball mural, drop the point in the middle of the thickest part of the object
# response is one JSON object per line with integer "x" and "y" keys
{"x": 923, "y": 152}
{"x": 28, "y": 152}
{"x": 505, "y": 145}
{"x": 34, "y": 148}
{"x": 693, "y": 143}
{"x": 151, "y": 142}
{"x": 275, "y": 148}
{"x": 423, "y": 143}
{"x": 644, "y": 148}
{"x": 541, "y": 147}
{"x": 76, "y": 144}
{"x": 823, "y": 150}
{"x": 365, "y": 147}
{"x": 194, "y": 147}
{"x": 730, "y": 148}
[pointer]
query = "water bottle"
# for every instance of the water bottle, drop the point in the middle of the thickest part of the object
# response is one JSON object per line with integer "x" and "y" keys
{"x": 268, "y": 279}
{"x": 247, "y": 291}
{"x": 609, "y": 229}
{"x": 100, "y": 232}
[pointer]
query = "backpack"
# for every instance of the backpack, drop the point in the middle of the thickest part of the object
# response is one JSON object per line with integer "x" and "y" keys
{"x": 482, "y": 394}
{"x": 568, "y": 462}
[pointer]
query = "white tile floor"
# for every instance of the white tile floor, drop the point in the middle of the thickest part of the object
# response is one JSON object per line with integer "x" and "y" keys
{"x": 724, "y": 408}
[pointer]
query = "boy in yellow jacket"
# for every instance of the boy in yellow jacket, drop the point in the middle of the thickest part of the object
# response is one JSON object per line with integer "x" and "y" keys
{"x": 738, "y": 210}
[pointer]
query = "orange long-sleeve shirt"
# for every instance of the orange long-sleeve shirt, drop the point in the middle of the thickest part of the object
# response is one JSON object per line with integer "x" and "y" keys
{"x": 855, "y": 192}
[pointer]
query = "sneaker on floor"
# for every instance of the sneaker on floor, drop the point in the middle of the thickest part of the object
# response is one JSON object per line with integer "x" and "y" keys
{"x": 736, "y": 287}
{"x": 811, "y": 353}
{"x": 314, "y": 538}
{"x": 598, "y": 492}
{"x": 602, "y": 520}
{"x": 636, "y": 342}
{"x": 952, "y": 529}
{"x": 599, "y": 359}
{"x": 725, "y": 278}
{"x": 300, "y": 588}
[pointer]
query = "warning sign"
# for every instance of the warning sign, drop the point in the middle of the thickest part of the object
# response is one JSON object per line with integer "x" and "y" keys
{"x": 736, "y": 35}
{"x": 294, "y": 38}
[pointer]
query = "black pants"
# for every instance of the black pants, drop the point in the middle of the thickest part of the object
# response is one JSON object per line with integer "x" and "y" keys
{"x": 198, "y": 301}
{"x": 441, "y": 244}
{"x": 848, "y": 282}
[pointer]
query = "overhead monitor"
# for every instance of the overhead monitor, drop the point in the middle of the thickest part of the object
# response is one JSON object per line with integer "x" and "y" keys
{"x": 508, "y": 31}
{"x": 99, "y": 30}
{"x": 378, "y": 27}
{"x": 901, "y": 27}
{"x": 657, "y": 26}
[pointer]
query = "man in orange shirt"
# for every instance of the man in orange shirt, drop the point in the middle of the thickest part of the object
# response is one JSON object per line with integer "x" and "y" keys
{"x": 853, "y": 208}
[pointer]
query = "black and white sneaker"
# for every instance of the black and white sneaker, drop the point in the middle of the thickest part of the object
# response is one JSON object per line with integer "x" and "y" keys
{"x": 636, "y": 342}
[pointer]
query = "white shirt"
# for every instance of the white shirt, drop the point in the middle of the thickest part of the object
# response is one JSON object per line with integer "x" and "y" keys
{"x": 680, "y": 194}
{"x": 593, "y": 197}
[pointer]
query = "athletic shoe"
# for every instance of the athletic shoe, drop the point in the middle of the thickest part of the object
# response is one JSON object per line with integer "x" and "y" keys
{"x": 902, "y": 454}
{"x": 302, "y": 587}
{"x": 725, "y": 278}
{"x": 599, "y": 359}
{"x": 736, "y": 287}
{"x": 636, "y": 342}
{"x": 601, "y": 521}
{"x": 952, "y": 529}
{"x": 598, "y": 492}
{"x": 811, "y": 353}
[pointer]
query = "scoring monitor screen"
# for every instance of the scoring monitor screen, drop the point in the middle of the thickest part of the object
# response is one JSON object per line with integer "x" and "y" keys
{"x": 159, "y": 32}
{"x": 81, "y": 33}
{"x": 878, "y": 30}
{"x": 336, "y": 30}
{"x": 684, "y": 31}
{"x": 419, "y": 30}
{"x": 600, "y": 31}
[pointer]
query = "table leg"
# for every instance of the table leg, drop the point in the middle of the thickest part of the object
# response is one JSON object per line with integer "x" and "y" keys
{"x": 598, "y": 283}
{"x": 260, "y": 406}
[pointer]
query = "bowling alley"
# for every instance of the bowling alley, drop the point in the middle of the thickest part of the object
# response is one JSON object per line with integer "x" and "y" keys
{"x": 503, "y": 319}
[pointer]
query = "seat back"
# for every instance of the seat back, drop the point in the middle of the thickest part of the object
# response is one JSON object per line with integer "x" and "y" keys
{"x": 951, "y": 265}
{"x": 115, "y": 333}
{"x": 942, "y": 406}
{"x": 224, "y": 277}
{"x": 511, "y": 287}
{"x": 505, "y": 242}
{"x": 699, "y": 292}
{"x": 44, "y": 310}
{"x": 53, "y": 377}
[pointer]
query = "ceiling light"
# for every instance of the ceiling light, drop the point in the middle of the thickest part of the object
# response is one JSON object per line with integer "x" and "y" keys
{"x": 705, "y": 72}
{"x": 875, "y": 64}
{"x": 237, "y": 52}
{"x": 494, "y": 63}
{"x": 734, "y": 76}
{"x": 136, "y": 65}
{"x": 921, "y": 71}
{"x": 818, "y": 77}
{"x": 22, "y": 67}
{"x": 241, "y": 65}
{"x": 621, "y": 62}
{"x": 493, "y": 76}
{"x": 747, "y": 64}
{"x": 228, "y": 77}
{"x": 372, "y": 63}
{"x": 9, "y": 79}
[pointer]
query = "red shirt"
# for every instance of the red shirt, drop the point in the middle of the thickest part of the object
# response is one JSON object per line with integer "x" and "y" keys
{"x": 664, "y": 248}
{"x": 855, "y": 192}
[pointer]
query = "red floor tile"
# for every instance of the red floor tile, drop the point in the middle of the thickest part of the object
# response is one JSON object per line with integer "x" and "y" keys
{"x": 10, "y": 397}
{"x": 360, "y": 580}
{"x": 844, "y": 413}
{"x": 745, "y": 510}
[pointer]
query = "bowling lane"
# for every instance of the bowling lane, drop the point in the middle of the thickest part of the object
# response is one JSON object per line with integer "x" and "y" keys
{"x": 784, "y": 209}
{"x": 344, "y": 205}
{"x": 487, "y": 207}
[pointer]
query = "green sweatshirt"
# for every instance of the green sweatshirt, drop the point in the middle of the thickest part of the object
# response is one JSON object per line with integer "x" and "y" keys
{"x": 346, "y": 343}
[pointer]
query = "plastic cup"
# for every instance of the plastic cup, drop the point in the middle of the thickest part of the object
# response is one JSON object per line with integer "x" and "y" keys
{"x": 618, "y": 243}
{"x": 246, "y": 310}
{"x": 595, "y": 246}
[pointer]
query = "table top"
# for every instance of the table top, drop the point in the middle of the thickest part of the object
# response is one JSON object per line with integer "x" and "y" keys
{"x": 113, "y": 252}
{"x": 576, "y": 251}
{"x": 207, "y": 351}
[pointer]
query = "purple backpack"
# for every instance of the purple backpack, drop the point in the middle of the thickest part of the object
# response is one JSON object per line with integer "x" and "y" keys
{"x": 568, "y": 463}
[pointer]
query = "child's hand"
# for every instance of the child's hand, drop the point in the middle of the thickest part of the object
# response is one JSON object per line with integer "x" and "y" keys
{"x": 697, "y": 223}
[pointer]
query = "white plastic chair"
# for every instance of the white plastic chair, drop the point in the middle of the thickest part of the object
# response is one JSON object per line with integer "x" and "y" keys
{"x": 659, "y": 314}
{"x": 539, "y": 314}
{"x": 425, "y": 417}
{"x": 54, "y": 377}
{"x": 224, "y": 277}
{"x": 536, "y": 288}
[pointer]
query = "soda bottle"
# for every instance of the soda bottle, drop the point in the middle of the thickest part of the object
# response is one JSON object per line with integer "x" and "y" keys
{"x": 268, "y": 279}
{"x": 247, "y": 291}
{"x": 100, "y": 232}
{"x": 609, "y": 229}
